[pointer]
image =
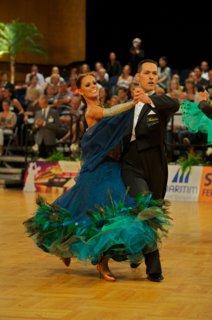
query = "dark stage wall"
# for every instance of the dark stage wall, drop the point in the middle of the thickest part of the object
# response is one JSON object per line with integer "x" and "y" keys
{"x": 172, "y": 31}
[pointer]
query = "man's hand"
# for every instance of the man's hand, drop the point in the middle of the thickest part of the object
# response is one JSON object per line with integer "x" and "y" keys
{"x": 39, "y": 122}
{"x": 140, "y": 96}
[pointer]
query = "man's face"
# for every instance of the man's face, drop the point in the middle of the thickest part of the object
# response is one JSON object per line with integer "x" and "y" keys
{"x": 43, "y": 103}
{"x": 34, "y": 69}
{"x": 148, "y": 76}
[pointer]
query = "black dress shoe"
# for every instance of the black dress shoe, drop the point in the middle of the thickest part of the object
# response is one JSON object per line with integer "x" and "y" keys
{"x": 134, "y": 265}
{"x": 156, "y": 277}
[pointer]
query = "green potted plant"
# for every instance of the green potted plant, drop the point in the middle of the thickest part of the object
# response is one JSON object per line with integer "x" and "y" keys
{"x": 17, "y": 37}
{"x": 190, "y": 160}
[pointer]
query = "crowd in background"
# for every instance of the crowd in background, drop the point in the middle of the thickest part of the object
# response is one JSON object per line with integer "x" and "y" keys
{"x": 54, "y": 111}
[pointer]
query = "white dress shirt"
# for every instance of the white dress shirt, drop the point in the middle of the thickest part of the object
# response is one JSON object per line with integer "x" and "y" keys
{"x": 138, "y": 108}
{"x": 45, "y": 112}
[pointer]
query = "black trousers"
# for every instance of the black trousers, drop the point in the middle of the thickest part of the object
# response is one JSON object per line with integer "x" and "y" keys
{"x": 145, "y": 172}
{"x": 46, "y": 151}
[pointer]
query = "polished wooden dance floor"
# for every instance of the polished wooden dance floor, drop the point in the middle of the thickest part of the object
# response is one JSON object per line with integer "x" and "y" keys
{"x": 34, "y": 285}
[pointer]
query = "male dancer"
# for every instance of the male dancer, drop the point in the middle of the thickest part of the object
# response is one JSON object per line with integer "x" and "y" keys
{"x": 144, "y": 164}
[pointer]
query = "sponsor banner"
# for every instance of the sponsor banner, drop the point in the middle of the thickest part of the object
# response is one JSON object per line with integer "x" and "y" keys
{"x": 54, "y": 176}
{"x": 206, "y": 185}
{"x": 183, "y": 186}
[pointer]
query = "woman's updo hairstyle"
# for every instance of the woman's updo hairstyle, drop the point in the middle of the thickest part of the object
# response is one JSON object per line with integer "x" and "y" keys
{"x": 83, "y": 75}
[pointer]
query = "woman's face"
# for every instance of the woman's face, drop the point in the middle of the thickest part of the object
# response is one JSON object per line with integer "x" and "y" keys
{"x": 89, "y": 88}
{"x": 114, "y": 101}
{"x": 189, "y": 85}
{"x": 126, "y": 69}
{"x": 174, "y": 84}
{"x": 6, "y": 93}
{"x": 5, "y": 106}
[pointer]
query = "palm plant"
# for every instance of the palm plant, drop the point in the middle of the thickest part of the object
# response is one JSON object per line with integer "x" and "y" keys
{"x": 17, "y": 37}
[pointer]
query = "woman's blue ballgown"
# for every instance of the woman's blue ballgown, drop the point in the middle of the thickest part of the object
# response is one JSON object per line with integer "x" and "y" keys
{"x": 97, "y": 216}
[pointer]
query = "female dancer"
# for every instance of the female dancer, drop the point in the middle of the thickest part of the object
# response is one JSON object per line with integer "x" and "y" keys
{"x": 198, "y": 117}
{"x": 96, "y": 219}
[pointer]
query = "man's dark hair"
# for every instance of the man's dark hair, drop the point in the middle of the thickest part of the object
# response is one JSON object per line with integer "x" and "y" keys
{"x": 145, "y": 61}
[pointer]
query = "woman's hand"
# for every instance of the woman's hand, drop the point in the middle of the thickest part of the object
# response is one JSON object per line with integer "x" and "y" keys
{"x": 203, "y": 96}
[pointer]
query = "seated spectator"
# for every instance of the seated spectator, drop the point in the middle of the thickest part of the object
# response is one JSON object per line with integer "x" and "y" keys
{"x": 33, "y": 106}
{"x": 73, "y": 73}
{"x": 77, "y": 122}
{"x": 134, "y": 84}
{"x": 209, "y": 85}
{"x": 114, "y": 100}
{"x": 35, "y": 72}
{"x": 204, "y": 70}
{"x": 55, "y": 71}
{"x": 51, "y": 92}
{"x": 101, "y": 78}
{"x": 54, "y": 83}
{"x": 7, "y": 123}
{"x": 45, "y": 127}
{"x": 101, "y": 73}
{"x": 125, "y": 79}
{"x": 72, "y": 87}
{"x": 62, "y": 100}
{"x": 78, "y": 112}
{"x": 5, "y": 82}
{"x": 190, "y": 91}
{"x": 123, "y": 94}
{"x": 15, "y": 105}
{"x": 33, "y": 84}
{"x": 196, "y": 76}
{"x": 103, "y": 97}
{"x": 174, "y": 89}
{"x": 85, "y": 68}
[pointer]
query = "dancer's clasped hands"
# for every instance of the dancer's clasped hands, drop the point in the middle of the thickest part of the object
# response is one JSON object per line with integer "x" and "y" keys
{"x": 141, "y": 96}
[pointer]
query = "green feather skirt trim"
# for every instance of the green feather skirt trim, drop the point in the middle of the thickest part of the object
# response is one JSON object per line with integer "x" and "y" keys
{"x": 120, "y": 232}
{"x": 195, "y": 120}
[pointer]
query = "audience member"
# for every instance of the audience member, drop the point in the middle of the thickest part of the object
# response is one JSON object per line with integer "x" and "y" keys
{"x": 136, "y": 55}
